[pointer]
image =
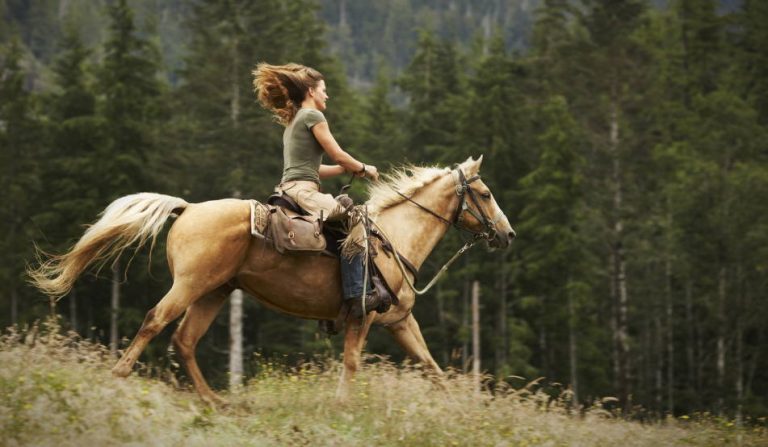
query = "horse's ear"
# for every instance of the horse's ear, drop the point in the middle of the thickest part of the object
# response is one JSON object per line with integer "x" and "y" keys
{"x": 472, "y": 166}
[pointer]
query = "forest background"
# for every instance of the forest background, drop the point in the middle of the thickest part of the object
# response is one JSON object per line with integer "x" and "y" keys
{"x": 624, "y": 139}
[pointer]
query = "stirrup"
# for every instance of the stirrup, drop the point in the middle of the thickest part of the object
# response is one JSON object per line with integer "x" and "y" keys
{"x": 373, "y": 301}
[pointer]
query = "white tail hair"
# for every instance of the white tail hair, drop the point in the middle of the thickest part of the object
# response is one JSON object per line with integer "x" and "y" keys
{"x": 135, "y": 218}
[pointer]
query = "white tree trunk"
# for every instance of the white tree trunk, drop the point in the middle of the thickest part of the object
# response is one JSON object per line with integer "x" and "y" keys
{"x": 114, "y": 309}
{"x": 721, "y": 338}
{"x": 14, "y": 306}
{"x": 573, "y": 349}
{"x": 739, "y": 370}
{"x": 465, "y": 311}
{"x": 343, "y": 14}
{"x": 236, "y": 340}
{"x": 617, "y": 254}
{"x": 670, "y": 340}
{"x": 444, "y": 351}
{"x": 690, "y": 344}
{"x": 234, "y": 105}
{"x": 476, "y": 333}
{"x": 73, "y": 309}
{"x": 502, "y": 345}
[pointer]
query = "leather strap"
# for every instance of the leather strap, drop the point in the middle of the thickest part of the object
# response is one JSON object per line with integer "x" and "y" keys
{"x": 387, "y": 246}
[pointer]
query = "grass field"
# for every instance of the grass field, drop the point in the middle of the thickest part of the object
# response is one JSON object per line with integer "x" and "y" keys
{"x": 56, "y": 390}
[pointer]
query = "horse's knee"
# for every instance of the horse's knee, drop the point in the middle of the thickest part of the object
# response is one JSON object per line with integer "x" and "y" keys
{"x": 184, "y": 345}
{"x": 151, "y": 326}
{"x": 351, "y": 361}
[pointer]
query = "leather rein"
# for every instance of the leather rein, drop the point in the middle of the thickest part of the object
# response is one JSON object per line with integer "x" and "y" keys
{"x": 463, "y": 190}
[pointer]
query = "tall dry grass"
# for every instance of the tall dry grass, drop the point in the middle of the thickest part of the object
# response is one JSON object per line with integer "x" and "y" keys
{"x": 57, "y": 390}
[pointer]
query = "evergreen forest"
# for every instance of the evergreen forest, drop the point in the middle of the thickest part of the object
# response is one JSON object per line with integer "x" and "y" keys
{"x": 626, "y": 141}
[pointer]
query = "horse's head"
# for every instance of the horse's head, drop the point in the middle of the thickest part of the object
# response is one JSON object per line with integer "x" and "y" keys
{"x": 478, "y": 211}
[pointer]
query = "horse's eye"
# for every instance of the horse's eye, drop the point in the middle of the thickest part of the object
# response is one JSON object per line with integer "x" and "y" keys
{"x": 486, "y": 195}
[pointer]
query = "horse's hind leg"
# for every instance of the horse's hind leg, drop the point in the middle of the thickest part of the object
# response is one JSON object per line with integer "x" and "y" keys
{"x": 408, "y": 336}
{"x": 168, "y": 309}
{"x": 193, "y": 326}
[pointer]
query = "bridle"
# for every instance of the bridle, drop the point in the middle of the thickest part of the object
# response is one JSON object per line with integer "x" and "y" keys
{"x": 464, "y": 190}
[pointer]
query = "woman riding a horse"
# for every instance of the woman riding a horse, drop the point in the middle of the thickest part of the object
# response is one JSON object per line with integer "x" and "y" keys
{"x": 297, "y": 96}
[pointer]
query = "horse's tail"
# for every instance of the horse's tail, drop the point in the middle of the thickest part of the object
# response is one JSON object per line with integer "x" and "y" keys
{"x": 127, "y": 220}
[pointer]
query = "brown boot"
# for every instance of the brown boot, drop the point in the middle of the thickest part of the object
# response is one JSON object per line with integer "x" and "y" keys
{"x": 345, "y": 201}
{"x": 372, "y": 302}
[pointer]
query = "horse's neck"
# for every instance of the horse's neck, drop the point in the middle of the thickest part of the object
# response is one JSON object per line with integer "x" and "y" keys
{"x": 415, "y": 232}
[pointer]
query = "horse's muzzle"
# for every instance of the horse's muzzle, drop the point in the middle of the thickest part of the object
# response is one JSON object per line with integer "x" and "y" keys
{"x": 503, "y": 239}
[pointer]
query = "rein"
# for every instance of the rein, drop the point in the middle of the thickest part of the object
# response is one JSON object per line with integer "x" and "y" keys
{"x": 437, "y": 276}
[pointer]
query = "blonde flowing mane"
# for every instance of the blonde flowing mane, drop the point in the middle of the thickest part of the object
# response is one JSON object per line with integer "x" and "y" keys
{"x": 405, "y": 179}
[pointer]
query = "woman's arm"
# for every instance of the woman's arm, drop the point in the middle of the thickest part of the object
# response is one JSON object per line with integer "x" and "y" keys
{"x": 331, "y": 171}
{"x": 322, "y": 133}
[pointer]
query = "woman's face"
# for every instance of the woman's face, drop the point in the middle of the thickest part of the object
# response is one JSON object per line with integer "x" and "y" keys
{"x": 318, "y": 95}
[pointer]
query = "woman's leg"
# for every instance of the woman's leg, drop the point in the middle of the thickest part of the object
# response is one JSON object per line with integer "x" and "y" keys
{"x": 308, "y": 196}
{"x": 352, "y": 272}
{"x": 352, "y": 279}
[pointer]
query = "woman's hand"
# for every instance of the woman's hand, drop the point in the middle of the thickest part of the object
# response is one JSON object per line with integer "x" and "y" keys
{"x": 371, "y": 172}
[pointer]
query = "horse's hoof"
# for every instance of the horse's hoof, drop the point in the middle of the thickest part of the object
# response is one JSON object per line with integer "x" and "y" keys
{"x": 214, "y": 401}
{"x": 342, "y": 394}
{"x": 121, "y": 371}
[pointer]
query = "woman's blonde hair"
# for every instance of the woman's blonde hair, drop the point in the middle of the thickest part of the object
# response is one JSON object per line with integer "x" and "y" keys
{"x": 282, "y": 88}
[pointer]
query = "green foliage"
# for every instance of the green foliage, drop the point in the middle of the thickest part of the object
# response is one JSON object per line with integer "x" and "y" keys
{"x": 130, "y": 87}
{"x": 22, "y": 134}
{"x": 77, "y": 136}
{"x": 754, "y": 55}
{"x": 433, "y": 83}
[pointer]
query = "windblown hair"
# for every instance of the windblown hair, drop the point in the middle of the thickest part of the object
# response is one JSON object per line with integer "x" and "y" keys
{"x": 282, "y": 88}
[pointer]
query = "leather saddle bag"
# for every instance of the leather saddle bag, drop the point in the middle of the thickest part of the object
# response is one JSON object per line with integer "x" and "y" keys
{"x": 295, "y": 233}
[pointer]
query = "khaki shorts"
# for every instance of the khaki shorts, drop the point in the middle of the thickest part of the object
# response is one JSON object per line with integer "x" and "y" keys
{"x": 307, "y": 194}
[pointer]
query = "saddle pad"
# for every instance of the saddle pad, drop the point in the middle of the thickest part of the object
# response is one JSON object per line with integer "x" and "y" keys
{"x": 259, "y": 219}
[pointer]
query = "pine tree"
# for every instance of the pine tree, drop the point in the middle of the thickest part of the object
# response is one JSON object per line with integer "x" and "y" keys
{"x": 611, "y": 63}
{"x": 432, "y": 82}
{"x": 702, "y": 41}
{"x": 754, "y": 55}
{"x": 21, "y": 137}
{"x": 384, "y": 140}
{"x": 77, "y": 136}
{"x": 130, "y": 88}
{"x": 129, "y": 83}
{"x": 554, "y": 200}
{"x": 496, "y": 122}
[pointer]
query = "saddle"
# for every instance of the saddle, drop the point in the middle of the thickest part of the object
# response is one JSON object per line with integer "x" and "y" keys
{"x": 289, "y": 228}
{"x": 294, "y": 231}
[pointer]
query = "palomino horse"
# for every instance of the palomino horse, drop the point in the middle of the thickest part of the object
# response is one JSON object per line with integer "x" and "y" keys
{"x": 210, "y": 248}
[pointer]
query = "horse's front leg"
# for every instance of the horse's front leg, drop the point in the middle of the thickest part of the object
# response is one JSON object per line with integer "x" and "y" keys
{"x": 355, "y": 334}
{"x": 408, "y": 336}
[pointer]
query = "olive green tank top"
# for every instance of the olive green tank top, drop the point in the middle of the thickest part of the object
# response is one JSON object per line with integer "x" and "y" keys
{"x": 302, "y": 153}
